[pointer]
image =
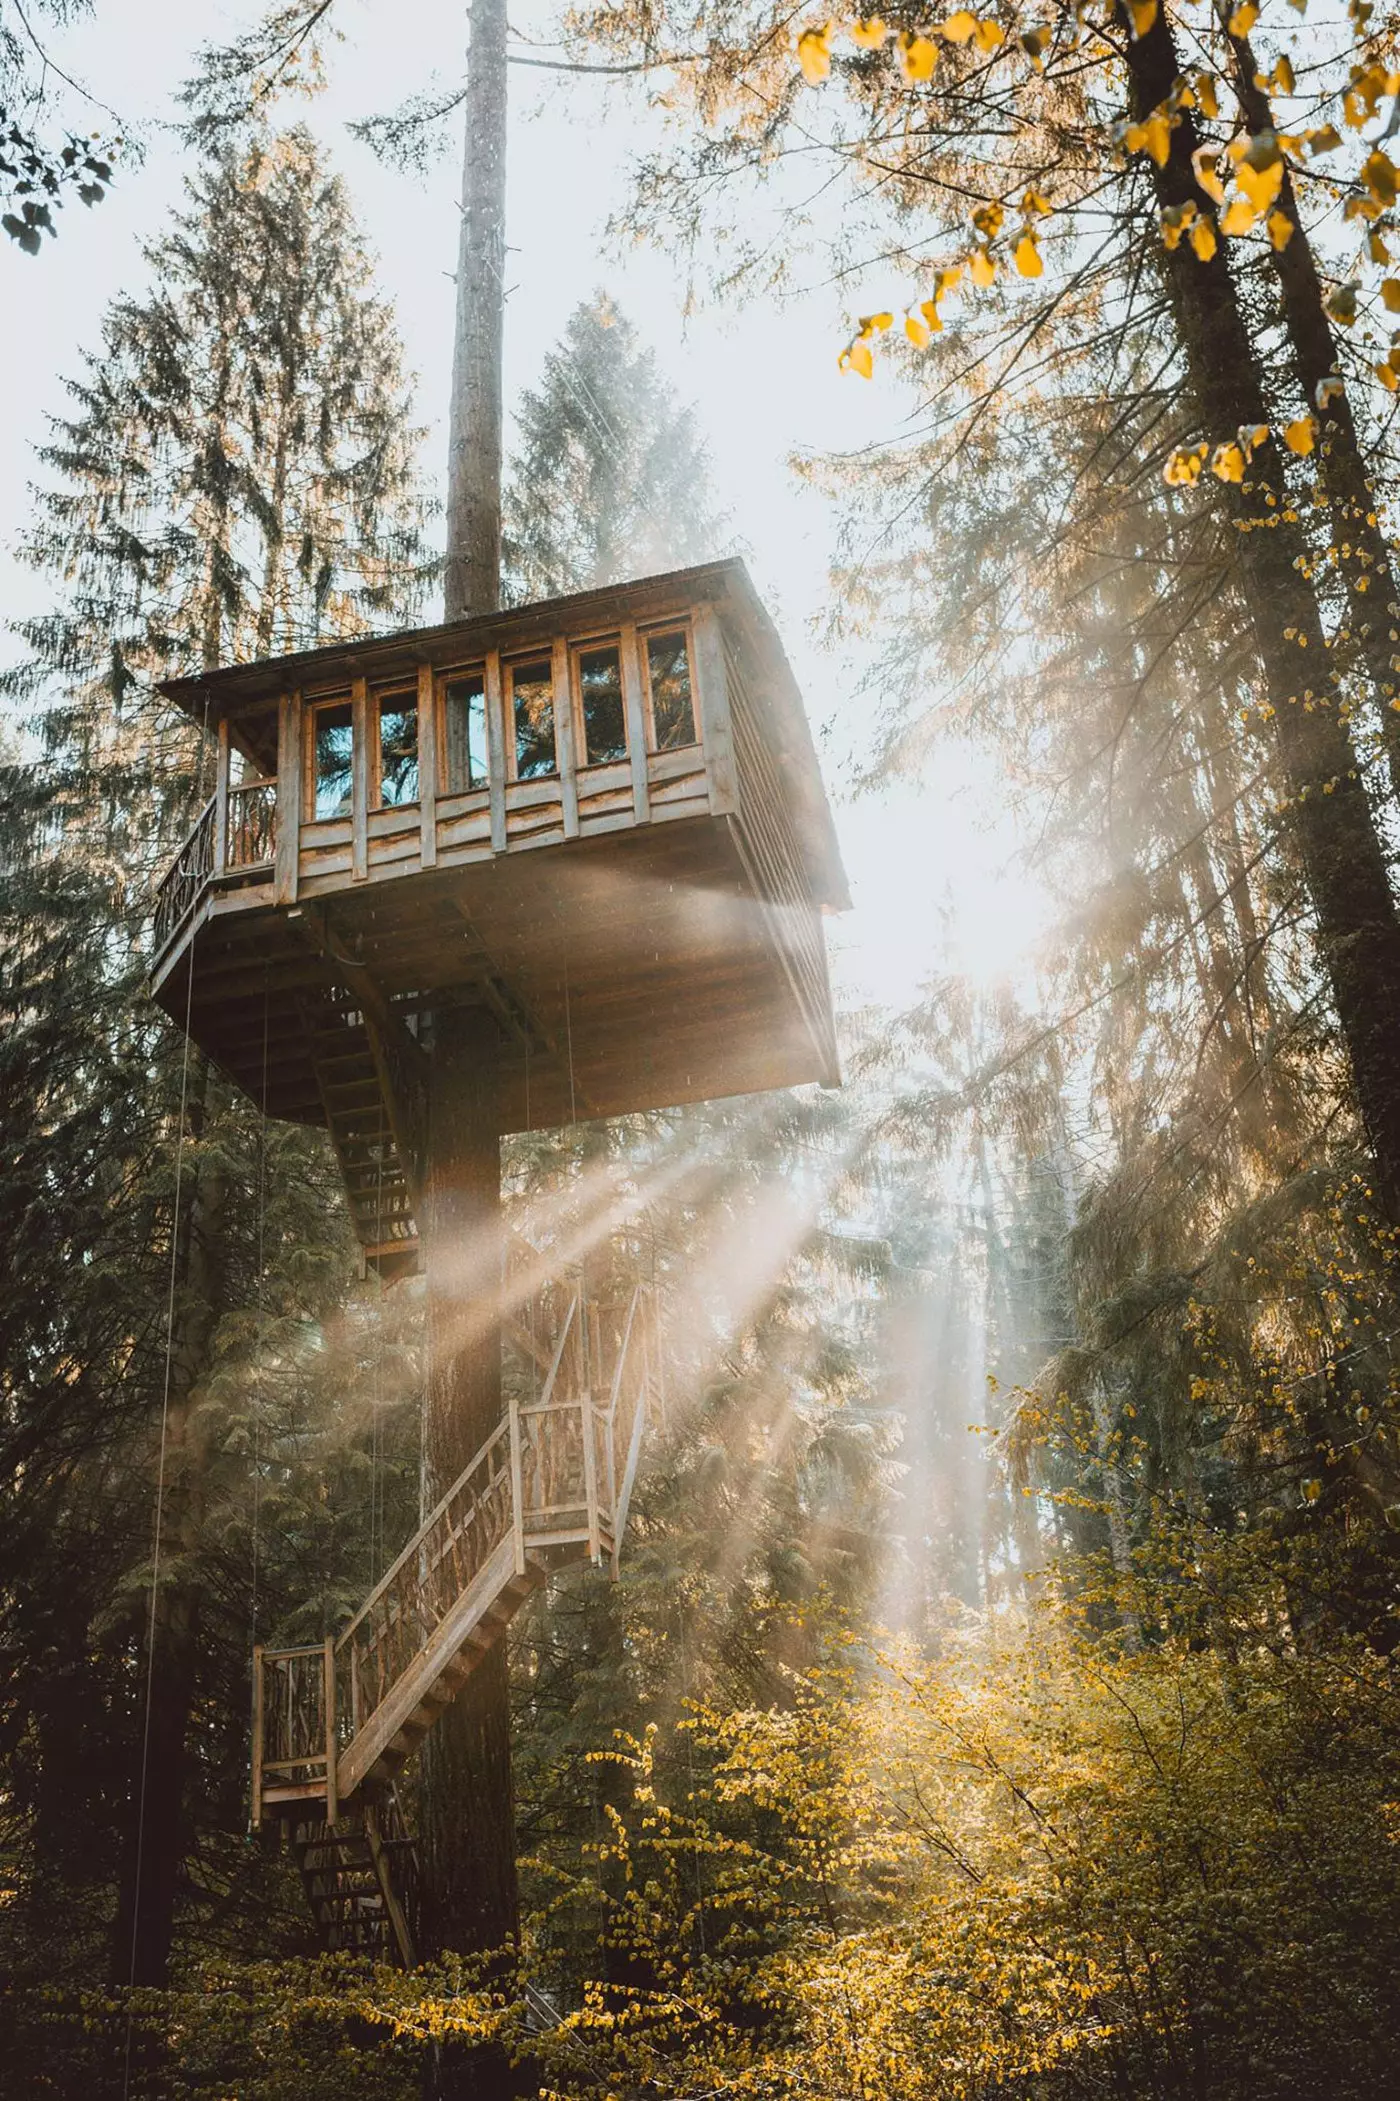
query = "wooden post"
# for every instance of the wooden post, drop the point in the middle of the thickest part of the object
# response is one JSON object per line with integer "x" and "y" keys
{"x": 257, "y": 1735}
{"x": 359, "y": 780}
{"x": 472, "y": 578}
{"x": 498, "y": 733}
{"x": 636, "y": 722}
{"x": 332, "y": 1808}
{"x": 517, "y": 1488}
{"x": 565, "y": 742}
{"x": 715, "y": 729}
{"x": 288, "y": 848}
{"x": 221, "y": 800}
{"x": 427, "y": 767}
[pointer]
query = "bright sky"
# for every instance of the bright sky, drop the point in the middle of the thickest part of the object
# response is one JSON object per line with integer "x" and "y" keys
{"x": 764, "y": 381}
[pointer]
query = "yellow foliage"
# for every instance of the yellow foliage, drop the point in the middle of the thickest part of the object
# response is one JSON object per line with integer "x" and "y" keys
{"x": 960, "y": 28}
{"x": 981, "y": 267}
{"x": 1280, "y": 229}
{"x": 917, "y": 56}
{"x": 1144, "y": 14}
{"x": 1244, "y": 18}
{"x": 869, "y": 33}
{"x": 1027, "y": 256}
{"x": 1301, "y": 436}
{"x": 1202, "y": 239}
{"x": 1227, "y": 463}
{"x": 814, "y": 54}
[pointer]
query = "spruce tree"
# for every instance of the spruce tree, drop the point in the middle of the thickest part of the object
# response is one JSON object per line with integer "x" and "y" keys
{"x": 610, "y": 477}
{"x": 236, "y": 476}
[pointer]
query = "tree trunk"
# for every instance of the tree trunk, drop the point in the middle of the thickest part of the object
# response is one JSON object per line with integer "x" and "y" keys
{"x": 1329, "y": 816}
{"x": 471, "y": 1899}
{"x": 1359, "y": 547}
{"x": 145, "y": 1921}
{"x": 472, "y": 579}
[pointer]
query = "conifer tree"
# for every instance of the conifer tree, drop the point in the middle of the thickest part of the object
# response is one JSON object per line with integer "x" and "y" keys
{"x": 236, "y": 476}
{"x": 610, "y": 478}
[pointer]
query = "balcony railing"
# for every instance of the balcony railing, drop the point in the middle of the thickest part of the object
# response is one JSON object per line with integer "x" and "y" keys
{"x": 183, "y": 885}
{"x": 252, "y": 825}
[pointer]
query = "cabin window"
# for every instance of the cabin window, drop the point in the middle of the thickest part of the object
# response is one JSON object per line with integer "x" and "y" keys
{"x": 600, "y": 694}
{"x": 398, "y": 750}
{"x": 672, "y": 701}
{"x": 464, "y": 708}
{"x": 532, "y": 710}
{"x": 332, "y": 743}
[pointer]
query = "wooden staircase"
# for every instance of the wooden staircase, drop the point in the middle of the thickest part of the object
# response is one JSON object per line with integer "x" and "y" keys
{"x": 333, "y": 1724}
{"x": 348, "y": 1064}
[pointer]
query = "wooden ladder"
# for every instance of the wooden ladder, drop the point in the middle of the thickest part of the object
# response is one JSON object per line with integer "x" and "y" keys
{"x": 376, "y": 1180}
{"x": 334, "y": 1723}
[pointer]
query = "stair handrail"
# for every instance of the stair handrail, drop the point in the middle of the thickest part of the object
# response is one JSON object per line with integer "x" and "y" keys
{"x": 416, "y": 1544}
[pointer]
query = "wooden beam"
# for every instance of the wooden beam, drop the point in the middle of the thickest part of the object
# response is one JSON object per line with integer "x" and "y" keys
{"x": 257, "y": 1736}
{"x": 498, "y": 734}
{"x": 636, "y": 721}
{"x": 565, "y": 743}
{"x": 716, "y": 729}
{"x": 427, "y": 767}
{"x": 289, "y": 753}
{"x": 383, "y": 1875}
{"x": 221, "y": 765}
{"x": 359, "y": 780}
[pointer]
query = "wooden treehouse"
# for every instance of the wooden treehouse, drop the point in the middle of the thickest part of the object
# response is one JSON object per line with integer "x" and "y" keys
{"x": 599, "y": 818}
{"x": 595, "y": 828}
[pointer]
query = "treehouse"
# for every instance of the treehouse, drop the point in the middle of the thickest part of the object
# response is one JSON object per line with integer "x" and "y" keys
{"x": 598, "y": 820}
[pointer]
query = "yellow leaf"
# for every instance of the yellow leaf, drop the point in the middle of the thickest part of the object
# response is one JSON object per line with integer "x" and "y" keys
{"x": 1035, "y": 44}
{"x": 981, "y": 268}
{"x": 1260, "y": 185}
{"x": 960, "y": 28}
{"x": 1244, "y": 18}
{"x": 1205, "y": 162}
{"x": 1283, "y": 75}
{"x": 857, "y": 359}
{"x": 871, "y": 324}
{"x": 1390, "y": 294}
{"x": 1034, "y": 202}
{"x": 917, "y": 57}
{"x": 1202, "y": 239}
{"x": 1280, "y": 229}
{"x": 1207, "y": 101}
{"x": 1326, "y": 139}
{"x": 916, "y": 330}
{"x": 1227, "y": 463}
{"x": 1028, "y": 256}
{"x": 1251, "y": 436}
{"x": 1183, "y": 468}
{"x": 929, "y": 310}
{"x": 1153, "y": 135}
{"x": 1240, "y": 216}
{"x": 814, "y": 54}
{"x": 1328, "y": 390}
{"x": 1379, "y": 174}
{"x": 1175, "y": 220}
{"x": 1312, "y": 1490}
{"x": 869, "y": 34}
{"x": 987, "y": 219}
{"x": 1375, "y": 243}
{"x": 1386, "y": 374}
{"x": 990, "y": 35}
{"x": 1301, "y": 436}
{"x": 1341, "y": 304}
{"x": 1144, "y": 14}
{"x": 947, "y": 279}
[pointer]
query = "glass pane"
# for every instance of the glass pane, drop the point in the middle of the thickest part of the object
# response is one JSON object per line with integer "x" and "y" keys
{"x": 465, "y": 702}
{"x": 672, "y": 709}
{"x": 604, "y": 724}
{"x": 532, "y": 698}
{"x": 398, "y": 751}
{"x": 333, "y": 738}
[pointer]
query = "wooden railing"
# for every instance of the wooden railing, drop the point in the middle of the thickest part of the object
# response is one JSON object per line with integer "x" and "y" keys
{"x": 181, "y": 886}
{"x": 251, "y": 835}
{"x": 556, "y": 1474}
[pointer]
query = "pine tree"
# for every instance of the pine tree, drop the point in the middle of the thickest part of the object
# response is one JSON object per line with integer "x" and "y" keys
{"x": 610, "y": 477}
{"x": 237, "y": 475}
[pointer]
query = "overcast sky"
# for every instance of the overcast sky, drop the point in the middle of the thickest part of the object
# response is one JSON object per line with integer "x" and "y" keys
{"x": 764, "y": 379}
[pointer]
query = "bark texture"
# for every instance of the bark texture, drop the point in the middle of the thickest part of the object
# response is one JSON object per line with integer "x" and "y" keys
{"x": 1328, "y": 815}
{"x": 472, "y": 579}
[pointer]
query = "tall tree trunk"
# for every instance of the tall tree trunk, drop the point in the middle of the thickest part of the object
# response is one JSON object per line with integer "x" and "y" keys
{"x": 1330, "y": 819}
{"x": 471, "y": 1901}
{"x": 472, "y": 580}
{"x": 1359, "y": 547}
{"x": 145, "y": 1922}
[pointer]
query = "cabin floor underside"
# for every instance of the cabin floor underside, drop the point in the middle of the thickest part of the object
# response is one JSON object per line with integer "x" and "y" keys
{"x": 635, "y": 970}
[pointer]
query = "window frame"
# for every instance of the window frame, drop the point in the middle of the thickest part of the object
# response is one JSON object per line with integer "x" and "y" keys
{"x": 311, "y": 709}
{"x": 442, "y": 679}
{"x": 577, "y": 651}
{"x": 685, "y": 628}
{"x": 407, "y": 696}
{"x": 509, "y": 666}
